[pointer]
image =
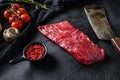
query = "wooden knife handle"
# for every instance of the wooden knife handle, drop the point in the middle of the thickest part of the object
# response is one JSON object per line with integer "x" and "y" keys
{"x": 116, "y": 43}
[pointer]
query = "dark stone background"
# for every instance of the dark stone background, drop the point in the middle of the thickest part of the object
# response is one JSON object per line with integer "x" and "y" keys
{"x": 58, "y": 64}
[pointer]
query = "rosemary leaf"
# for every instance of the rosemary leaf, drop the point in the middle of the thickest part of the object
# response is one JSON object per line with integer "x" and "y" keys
{"x": 34, "y": 3}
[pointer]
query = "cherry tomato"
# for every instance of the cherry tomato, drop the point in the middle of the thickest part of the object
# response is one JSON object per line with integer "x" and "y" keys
{"x": 17, "y": 24}
{"x": 13, "y": 18}
{"x": 15, "y": 6}
{"x": 25, "y": 18}
{"x": 22, "y": 10}
{"x": 7, "y": 13}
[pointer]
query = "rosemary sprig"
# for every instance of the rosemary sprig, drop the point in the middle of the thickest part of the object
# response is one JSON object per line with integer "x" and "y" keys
{"x": 32, "y": 2}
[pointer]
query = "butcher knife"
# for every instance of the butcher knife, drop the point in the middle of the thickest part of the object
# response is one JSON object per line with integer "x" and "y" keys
{"x": 97, "y": 18}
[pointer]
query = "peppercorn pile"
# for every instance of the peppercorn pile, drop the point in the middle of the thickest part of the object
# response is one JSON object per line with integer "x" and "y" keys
{"x": 35, "y": 52}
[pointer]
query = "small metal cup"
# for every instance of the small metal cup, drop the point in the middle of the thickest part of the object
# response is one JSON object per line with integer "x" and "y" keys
{"x": 24, "y": 57}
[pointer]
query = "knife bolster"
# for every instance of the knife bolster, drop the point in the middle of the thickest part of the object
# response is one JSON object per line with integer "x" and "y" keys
{"x": 116, "y": 43}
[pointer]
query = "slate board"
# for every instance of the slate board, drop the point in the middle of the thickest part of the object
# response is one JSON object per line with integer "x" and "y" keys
{"x": 58, "y": 64}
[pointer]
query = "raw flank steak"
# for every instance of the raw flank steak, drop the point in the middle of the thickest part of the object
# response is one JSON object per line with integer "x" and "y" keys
{"x": 74, "y": 41}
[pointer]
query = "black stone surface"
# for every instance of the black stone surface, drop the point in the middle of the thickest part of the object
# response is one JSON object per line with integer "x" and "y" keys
{"x": 58, "y": 64}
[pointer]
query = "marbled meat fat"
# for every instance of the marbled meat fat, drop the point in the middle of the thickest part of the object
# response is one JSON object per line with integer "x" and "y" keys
{"x": 74, "y": 41}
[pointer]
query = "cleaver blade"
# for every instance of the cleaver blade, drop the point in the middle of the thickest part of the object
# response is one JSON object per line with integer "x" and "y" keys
{"x": 97, "y": 18}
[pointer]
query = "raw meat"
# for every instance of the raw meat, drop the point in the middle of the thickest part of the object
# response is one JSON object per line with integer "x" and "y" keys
{"x": 74, "y": 41}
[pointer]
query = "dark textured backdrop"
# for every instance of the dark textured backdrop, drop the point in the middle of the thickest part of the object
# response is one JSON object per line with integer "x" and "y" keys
{"x": 58, "y": 64}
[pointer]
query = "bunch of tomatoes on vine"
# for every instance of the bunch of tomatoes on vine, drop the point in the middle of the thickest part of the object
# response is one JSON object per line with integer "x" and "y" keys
{"x": 17, "y": 16}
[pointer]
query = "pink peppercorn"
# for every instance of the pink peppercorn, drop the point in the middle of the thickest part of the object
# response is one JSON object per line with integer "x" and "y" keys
{"x": 35, "y": 52}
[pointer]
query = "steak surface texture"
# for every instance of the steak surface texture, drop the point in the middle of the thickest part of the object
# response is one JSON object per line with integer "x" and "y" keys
{"x": 74, "y": 41}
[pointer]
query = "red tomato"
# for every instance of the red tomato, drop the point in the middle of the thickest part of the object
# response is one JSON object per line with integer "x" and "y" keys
{"x": 7, "y": 13}
{"x": 17, "y": 24}
{"x": 22, "y": 10}
{"x": 15, "y": 6}
{"x": 13, "y": 18}
{"x": 25, "y": 18}
{"x": 18, "y": 13}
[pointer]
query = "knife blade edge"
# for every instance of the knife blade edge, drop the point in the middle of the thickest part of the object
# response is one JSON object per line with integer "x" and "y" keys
{"x": 97, "y": 18}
